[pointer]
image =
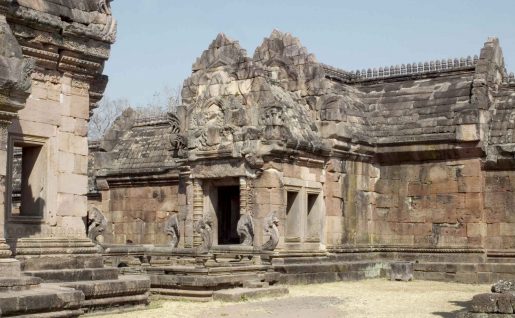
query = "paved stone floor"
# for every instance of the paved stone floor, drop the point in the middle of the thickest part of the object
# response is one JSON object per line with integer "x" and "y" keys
{"x": 370, "y": 298}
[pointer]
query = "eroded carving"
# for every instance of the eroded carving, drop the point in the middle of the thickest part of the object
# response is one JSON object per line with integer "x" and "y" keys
{"x": 245, "y": 229}
{"x": 97, "y": 225}
{"x": 172, "y": 229}
{"x": 204, "y": 227}
{"x": 271, "y": 230}
{"x": 178, "y": 142}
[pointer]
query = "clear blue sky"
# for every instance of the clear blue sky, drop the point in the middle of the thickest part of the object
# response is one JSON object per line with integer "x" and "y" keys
{"x": 158, "y": 40}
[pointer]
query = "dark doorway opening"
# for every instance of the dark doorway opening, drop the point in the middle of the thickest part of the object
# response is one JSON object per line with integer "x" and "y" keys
{"x": 228, "y": 214}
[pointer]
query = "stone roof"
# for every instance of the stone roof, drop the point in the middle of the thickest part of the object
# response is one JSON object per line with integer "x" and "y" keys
{"x": 145, "y": 147}
{"x": 283, "y": 101}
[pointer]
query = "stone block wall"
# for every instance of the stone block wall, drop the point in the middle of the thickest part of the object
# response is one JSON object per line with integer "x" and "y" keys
{"x": 429, "y": 204}
{"x": 55, "y": 118}
{"x": 498, "y": 209}
{"x": 138, "y": 214}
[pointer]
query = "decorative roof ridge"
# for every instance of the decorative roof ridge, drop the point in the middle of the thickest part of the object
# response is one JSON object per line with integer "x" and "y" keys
{"x": 442, "y": 65}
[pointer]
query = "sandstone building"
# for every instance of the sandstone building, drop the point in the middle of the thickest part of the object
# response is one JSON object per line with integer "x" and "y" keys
{"x": 403, "y": 158}
{"x": 51, "y": 65}
{"x": 275, "y": 168}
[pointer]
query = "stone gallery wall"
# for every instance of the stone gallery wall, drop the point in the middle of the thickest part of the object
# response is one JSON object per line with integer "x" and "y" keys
{"x": 138, "y": 214}
{"x": 499, "y": 216}
{"x": 429, "y": 204}
{"x": 416, "y": 155}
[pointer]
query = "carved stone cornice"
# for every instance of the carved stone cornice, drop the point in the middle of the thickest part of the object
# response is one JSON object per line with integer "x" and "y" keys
{"x": 71, "y": 37}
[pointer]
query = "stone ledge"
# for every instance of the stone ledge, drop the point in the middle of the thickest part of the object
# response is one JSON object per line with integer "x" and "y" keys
{"x": 239, "y": 294}
{"x": 67, "y": 275}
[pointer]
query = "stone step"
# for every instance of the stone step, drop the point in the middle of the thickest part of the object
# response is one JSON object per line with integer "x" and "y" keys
{"x": 239, "y": 294}
{"x": 62, "y": 262}
{"x": 255, "y": 284}
{"x": 128, "y": 290}
{"x": 186, "y": 294}
{"x": 471, "y": 273}
{"x": 124, "y": 285}
{"x": 212, "y": 282}
{"x": 47, "y": 301}
{"x": 19, "y": 283}
{"x": 501, "y": 260}
{"x": 71, "y": 275}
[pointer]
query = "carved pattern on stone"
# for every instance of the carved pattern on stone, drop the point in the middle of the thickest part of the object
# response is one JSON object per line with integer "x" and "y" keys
{"x": 198, "y": 208}
{"x": 271, "y": 230}
{"x": 245, "y": 229}
{"x": 273, "y": 120}
{"x": 417, "y": 68}
{"x": 178, "y": 142}
{"x": 97, "y": 225}
{"x": 251, "y": 197}
{"x": 212, "y": 131}
{"x": 172, "y": 230}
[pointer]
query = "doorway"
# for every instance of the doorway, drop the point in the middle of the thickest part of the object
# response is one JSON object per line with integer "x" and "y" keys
{"x": 228, "y": 214}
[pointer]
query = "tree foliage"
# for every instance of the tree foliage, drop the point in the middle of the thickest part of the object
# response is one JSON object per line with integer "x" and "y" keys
{"x": 165, "y": 100}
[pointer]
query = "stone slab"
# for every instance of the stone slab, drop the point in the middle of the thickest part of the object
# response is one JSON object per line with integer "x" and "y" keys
{"x": 239, "y": 294}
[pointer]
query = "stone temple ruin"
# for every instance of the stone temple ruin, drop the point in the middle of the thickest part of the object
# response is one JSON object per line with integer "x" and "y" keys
{"x": 275, "y": 169}
{"x": 51, "y": 62}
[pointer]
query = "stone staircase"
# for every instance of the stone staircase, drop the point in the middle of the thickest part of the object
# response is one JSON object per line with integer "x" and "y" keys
{"x": 77, "y": 268}
{"x": 26, "y": 296}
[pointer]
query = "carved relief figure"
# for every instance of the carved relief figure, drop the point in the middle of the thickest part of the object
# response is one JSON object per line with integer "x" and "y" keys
{"x": 204, "y": 227}
{"x": 272, "y": 118}
{"x": 271, "y": 223}
{"x": 178, "y": 142}
{"x": 215, "y": 122}
{"x": 245, "y": 229}
{"x": 97, "y": 224}
{"x": 172, "y": 229}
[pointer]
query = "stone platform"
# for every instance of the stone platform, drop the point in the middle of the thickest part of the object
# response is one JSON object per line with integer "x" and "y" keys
{"x": 24, "y": 296}
{"x": 81, "y": 268}
{"x": 45, "y": 300}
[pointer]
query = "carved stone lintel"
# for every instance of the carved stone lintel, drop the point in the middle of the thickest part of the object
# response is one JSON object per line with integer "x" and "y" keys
{"x": 245, "y": 229}
{"x": 271, "y": 223}
{"x": 172, "y": 229}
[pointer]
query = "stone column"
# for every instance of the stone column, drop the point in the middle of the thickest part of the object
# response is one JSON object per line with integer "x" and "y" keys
{"x": 9, "y": 267}
{"x": 198, "y": 209}
{"x": 243, "y": 196}
{"x": 4, "y": 249}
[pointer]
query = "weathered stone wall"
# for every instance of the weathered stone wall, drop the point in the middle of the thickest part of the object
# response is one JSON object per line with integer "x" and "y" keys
{"x": 404, "y": 159}
{"x": 56, "y": 117}
{"x": 429, "y": 204}
{"x": 138, "y": 214}
{"x": 498, "y": 209}
{"x": 270, "y": 191}
{"x": 67, "y": 43}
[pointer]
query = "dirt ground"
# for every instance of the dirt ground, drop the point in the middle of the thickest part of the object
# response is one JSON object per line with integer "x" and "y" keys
{"x": 368, "y": 298}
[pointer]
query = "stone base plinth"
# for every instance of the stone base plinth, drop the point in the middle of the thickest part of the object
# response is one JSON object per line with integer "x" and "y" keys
{"x": 9, "y": 267}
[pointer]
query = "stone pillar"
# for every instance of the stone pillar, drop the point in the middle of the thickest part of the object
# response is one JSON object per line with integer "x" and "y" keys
{"x": 14, "y": 88}
{"x": 243, "y": 196}
{"x": 9, "y": 267}
{"x": 198, "y": 209}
